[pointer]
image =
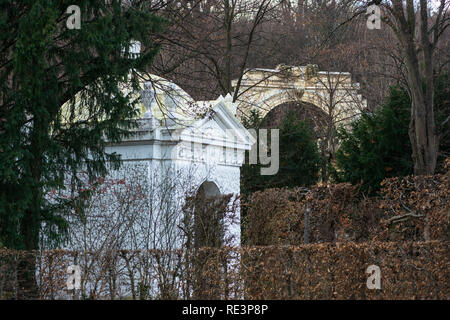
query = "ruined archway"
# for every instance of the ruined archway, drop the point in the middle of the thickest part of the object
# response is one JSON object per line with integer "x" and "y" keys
{"x": 332, "y": 92}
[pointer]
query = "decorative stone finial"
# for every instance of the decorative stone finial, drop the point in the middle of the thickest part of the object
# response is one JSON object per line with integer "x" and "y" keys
{"x": 311, "y": 71}
{"x": 228, "y": 101}
{"x": 173, "y": 100}
{"x": 135, "y": 49}
{"x": 148, "y": 96}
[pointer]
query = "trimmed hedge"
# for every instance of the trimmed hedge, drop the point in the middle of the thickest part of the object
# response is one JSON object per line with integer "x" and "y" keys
{"x": 409, "y": 270}
{"x": 413, "y": 208}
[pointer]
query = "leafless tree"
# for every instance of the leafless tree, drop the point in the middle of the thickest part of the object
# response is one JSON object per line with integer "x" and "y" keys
{"x": 208, "y": 43}
{"x": 419, "y": 30}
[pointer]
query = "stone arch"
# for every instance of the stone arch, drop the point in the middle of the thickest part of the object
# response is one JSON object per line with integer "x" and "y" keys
{"x": 277, "y": 97}
{"x": 264, "y": 89}
{"x": 311, "y": 113}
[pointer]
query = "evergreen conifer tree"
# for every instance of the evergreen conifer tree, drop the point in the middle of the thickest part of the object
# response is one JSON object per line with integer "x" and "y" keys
{"x": 44, "y": 64}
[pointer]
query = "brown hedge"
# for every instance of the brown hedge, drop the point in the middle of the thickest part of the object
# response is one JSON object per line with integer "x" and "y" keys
{"x": 409, "y": 270}
{"x": 415, "y": 208}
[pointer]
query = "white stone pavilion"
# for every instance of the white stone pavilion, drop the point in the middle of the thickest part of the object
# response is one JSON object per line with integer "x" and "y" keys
{"x": 197, "y": 146}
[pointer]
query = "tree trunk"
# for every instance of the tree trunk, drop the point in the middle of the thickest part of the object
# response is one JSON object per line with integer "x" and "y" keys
{"x": 31, "y": 223}
{"x": 422, "y": 129}
{"x": 423, "y": 138}
{"x": 26, "y": 276}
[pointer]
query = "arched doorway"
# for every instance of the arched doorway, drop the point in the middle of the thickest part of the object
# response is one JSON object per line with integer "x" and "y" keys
{"x": 208, "y": 265}
{"x": 209, "y": 210}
